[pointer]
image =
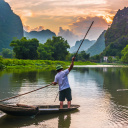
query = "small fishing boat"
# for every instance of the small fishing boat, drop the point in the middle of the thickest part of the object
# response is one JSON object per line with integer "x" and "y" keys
{"x": 25, "y": 110}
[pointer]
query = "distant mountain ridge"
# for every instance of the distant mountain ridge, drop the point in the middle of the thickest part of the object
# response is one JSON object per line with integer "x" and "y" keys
{"x": 10, "y": 25}
{"x": 42, "y": 36}
{"x": 99, "y": 45}
{"x": 86, "y": 44}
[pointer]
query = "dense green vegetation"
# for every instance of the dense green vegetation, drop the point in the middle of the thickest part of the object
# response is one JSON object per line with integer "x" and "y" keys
{"x": 39, "y": 64}
{"x": 54, "y": 49}
{"x": 96, "y": 58}
{"x": 115, "y": 48}
{"x": 2, "y": 66}
{"x": 7, "y": 53}
{"x": 124, "y": 57}
{"x": 25, "y": 49}
{"x": 81, "y": 56}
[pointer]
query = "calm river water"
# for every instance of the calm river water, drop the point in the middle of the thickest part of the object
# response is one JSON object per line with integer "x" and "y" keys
{"x": 93, "y": 88}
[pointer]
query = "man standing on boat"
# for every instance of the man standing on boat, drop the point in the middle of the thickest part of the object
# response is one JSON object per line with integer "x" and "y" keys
{"x": 62, "y": 80}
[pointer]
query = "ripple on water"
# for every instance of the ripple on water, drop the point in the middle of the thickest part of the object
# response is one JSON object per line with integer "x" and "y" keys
{"x": 117, "y": 116}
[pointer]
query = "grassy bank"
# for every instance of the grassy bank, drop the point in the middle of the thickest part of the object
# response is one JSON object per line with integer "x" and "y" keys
{"x": 40, "y": 64}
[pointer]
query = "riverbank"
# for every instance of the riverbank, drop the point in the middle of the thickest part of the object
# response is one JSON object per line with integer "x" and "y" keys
{"x": 38, "y": 64}
{"x": 50, "y": 64}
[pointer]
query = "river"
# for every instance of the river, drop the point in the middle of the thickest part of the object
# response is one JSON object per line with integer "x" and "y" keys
{"x": 93, "y": 88}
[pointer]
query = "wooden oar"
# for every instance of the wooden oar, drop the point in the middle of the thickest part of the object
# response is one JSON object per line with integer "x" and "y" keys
{"x": 25, "y": 93}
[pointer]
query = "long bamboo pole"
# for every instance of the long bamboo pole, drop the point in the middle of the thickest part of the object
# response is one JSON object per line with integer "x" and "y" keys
{"x": 84, "y": 38}
{"x": 25, "y": 93}
{"x": 48, "y": 84}
{"x": 79, "y": 47}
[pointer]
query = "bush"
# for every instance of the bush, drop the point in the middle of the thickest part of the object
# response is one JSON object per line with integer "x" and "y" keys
{"x": 2, "y": 66}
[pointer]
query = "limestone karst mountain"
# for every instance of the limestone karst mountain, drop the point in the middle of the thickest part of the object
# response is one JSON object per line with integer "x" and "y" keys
{"x": 10, "y": 25}
{"x": 99, "y": 45}
{"x": 116, "y": 37}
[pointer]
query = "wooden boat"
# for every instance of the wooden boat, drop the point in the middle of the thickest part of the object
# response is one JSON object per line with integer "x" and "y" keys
{"x": 25, "y": 110}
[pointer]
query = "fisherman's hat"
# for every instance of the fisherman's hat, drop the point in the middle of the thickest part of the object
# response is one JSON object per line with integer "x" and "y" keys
{"x": 58, "y": 67}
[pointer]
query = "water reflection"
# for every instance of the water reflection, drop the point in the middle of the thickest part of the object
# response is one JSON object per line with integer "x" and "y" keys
{"x": 94, "y": 89}
{"x": 14, "y": 82}
{"x": 30, "y": 76}
{"x": 63, "y": 119}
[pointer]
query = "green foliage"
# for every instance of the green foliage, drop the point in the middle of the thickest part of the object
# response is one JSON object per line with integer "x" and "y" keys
{"x": 116, "y": 31}
{"x": 45, "y": 52}
{"x": 84, "y": 63}
{"x": 1, "y": 63}
{"x": 95, "y": 58}
{"x": 1, "y": 59}
{"x": 39, "y": 64}
{"x": 7, "y": 53}
{"x": 110, "y": 59}
{"x": 83, "y": 56}
{"x": 25, "y": 49}
{"x": 54, "y": 49}
{"x": 115, "y": 48}
{"x": 124, "y": 57}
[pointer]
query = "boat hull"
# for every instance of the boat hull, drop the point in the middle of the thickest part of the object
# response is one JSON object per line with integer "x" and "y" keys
{"x": 36, "y": 110}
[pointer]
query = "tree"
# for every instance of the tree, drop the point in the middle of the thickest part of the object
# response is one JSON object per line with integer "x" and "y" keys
{"x": 110, "y": 59}
{"x": 115, "y": 47}
{"x": 25, "y": 49}
{"x": 95, "y": 58}
{"x": 124, "y": 53}
{"x": 56, "y": 48}
{"x": 45, "y": 52}
{"x": 7, "y": 53}
{"x": 83, "y": 56}
{"x": 1, "y": 63}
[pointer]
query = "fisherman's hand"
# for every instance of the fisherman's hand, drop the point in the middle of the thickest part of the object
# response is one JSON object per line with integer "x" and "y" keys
{"x": 73, "y": 58}
{"x": 54, "y": 83}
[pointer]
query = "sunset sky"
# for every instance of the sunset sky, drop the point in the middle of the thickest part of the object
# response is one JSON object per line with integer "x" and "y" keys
{"x": 69, "y": 18}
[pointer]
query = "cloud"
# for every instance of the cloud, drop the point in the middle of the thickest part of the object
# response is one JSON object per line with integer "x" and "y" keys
{"x": 68, "y": 35}
{"x": 51, "y": 7}
{"x": 78, "y": 29}
{"x": 81, "y": 26}
{"x": 28, "y": 28}
{"x": 75, "y": 16}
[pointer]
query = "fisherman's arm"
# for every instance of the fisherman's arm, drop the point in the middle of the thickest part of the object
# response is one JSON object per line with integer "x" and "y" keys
{"x": 72, "y": 64}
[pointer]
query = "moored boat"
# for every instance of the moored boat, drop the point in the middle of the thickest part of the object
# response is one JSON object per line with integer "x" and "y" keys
{"x": 25, "y": 110}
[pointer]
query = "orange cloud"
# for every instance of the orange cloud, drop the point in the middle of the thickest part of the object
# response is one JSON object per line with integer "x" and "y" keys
{"x": 82, "y": 24}
{"x": 55, "y": 13}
